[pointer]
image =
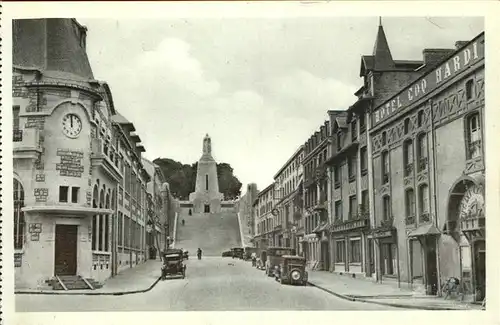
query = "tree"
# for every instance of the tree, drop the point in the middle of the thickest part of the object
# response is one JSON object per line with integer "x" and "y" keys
{"x": 182, "y": 178}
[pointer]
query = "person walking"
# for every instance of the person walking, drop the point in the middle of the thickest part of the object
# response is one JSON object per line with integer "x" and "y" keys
{"x": 199, "y": 253}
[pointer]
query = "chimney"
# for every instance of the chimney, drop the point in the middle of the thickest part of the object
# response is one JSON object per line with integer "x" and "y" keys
{"x": 460, "y": 44}
{"x": 433, "y": 57}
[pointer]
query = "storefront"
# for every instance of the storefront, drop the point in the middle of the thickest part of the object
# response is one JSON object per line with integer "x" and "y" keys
{"x": 387, "y": 265}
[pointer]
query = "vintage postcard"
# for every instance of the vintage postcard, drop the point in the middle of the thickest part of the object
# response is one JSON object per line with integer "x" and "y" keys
{"x": 250, "y": 158}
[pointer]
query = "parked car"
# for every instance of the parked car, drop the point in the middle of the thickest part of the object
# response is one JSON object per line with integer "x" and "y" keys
{"x": 186, "y": 254}
{"x": 292, "y": 270}
{"x": 173, "y": 265}
{"x": 275, "y": 258}
{"x": 238, "y": 252}
{"x": 227, "y": 254}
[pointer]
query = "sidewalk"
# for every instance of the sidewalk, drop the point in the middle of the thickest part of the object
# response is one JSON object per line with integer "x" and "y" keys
{"x": 388, "y": 294}
{"x": 141, "y": 278}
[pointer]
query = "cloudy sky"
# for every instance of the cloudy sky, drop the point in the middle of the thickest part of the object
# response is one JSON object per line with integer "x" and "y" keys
{"x": 259, "y": 87}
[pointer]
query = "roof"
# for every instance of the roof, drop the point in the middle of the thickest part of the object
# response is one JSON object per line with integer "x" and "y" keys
{"x": 295, "y": 154}
{"x": 120, "y": 119}
{"x": 54, "y": 44}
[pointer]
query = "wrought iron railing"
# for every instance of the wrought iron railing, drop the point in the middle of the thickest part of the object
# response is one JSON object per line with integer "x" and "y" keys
{"x": 424, "y": 217}
{"x": 410, "y": 220}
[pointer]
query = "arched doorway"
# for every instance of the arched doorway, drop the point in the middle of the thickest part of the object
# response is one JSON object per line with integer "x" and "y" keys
{"x": 466, "y": 224}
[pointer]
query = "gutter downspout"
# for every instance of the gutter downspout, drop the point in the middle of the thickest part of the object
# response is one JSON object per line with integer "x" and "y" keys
{"x": 433, "y": 175}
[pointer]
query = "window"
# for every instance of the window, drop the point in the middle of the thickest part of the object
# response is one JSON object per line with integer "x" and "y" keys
{"x": 362, "y": 125}
{"x": 387, "y": 207}
{"x": 338, "y": 210}
{"x": 469, "y": 89}
{"x": 408, "y": 157}
{"x": 365, "y": 201}
{"x": 410, "y": 203}
{"x": 75, "y": 191}
{"x": 422, "y": 151}
{"x": 474, "y": 136}
{"x": 206, "y": 182}
{"x": 340, "y": 251}
{"x": 384, "y": 138}
{"x": 420, "y": 118}
{"x": 364, "y": 160}
{"x": 339, "y": 141}
{"x": 352, "y": 168}
{"x": 407, "y": 125}
{"x": 63, "y": 193}
{"x": 106, "y": 232}
{"x": 355, "y": 256}
{"x": 338, "y": 175}
{"x": 353, "y": 206}
{"x": 19, "y": 225}
{"x": 424, "y": 199}
{"x": 354, "y": 130}
{"x": 15, "y": 117}
{"x": 94, "y": 232}
{"x": 101, "y": 231}
{"x": 385, "y": 167}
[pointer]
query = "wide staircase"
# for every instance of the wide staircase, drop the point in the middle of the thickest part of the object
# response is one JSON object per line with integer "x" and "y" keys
{"x": 212, "y": 232}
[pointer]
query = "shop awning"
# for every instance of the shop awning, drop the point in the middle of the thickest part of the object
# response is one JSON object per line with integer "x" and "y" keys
{"x": 425, "y": 230}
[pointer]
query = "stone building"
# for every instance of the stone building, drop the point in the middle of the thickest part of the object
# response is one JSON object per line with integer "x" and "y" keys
{"x": 348, "y": 206}
{"x": 245, "y": 210}
{"x": 428, "y": 172}
{"x": 69, "y": 157}
{"x": 286, "y": 185}
{"x": 316, "y": 153}
{"x": 264, "y": 218}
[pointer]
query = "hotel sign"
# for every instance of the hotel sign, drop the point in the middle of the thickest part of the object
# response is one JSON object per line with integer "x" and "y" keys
{"x": 467, "y": 56}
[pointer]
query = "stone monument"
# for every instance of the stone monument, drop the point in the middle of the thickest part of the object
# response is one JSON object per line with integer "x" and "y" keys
{"x": 206, "y": 197}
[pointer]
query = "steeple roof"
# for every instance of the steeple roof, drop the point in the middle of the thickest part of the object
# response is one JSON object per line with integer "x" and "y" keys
{"x": 381, "y": 53}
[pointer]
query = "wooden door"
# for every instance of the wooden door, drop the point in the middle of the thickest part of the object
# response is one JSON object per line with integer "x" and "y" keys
{"x": 65, "y": 253}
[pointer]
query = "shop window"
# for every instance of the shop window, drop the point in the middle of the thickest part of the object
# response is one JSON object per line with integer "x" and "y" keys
{"x": 352, "y": 168}
{"x": 422, "y": 151}
{"x": 75, "y": 191}
{"x": 469, "y": 89}
{"x": 355, "y": 256}
{"x": 385, "y": 167}
{"x": 19, "y": 223}
{"x": 340, "y": 251}
{"x": 407, "y": 125}
{"x": 410, "y": 205}
{"x": 474, "y": 136}
{"x": 408, "y": 157}
{"x": 386, "y": 205}
{"x": 63, "y": 194}
{"x": 353, "y": 207}
{"x": 364, "y": 160}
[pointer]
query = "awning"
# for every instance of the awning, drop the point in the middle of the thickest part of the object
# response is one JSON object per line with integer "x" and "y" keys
{"x": 425, "y": 230}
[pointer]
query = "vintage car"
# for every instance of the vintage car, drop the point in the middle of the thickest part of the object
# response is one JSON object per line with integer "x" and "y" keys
{"x": 227, "y": 254}
{"x": 173, "y": 265}
{"x": 275, "y": 257}
{"x": 292, "y": 270}
{"x": 238, "y": 252}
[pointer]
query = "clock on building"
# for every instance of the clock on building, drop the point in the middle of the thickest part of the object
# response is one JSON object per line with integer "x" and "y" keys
{"x": 72, "y": 125}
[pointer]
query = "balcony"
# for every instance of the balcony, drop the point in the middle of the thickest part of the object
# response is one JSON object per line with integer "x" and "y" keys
{"x": 387, "y": 223}
{"x": 343, "y": 226}
{"x": 474, "y": 222}
{"x": 103, "y": 157}
{"x": 424, "y": 218}
{"x": 26, "y": 143}
{"x": 408, "y": 169}
{"x": 321, "y": 206}
{"x": 422, "y": 164}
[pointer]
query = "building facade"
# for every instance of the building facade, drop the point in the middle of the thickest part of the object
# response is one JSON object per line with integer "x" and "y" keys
{"x": 428, "y": 173}
{"x": 69, "y": 162}
{"x": 246, "y": 215}
{"x": 287, "y": 183}
{"x": 264, "y": 218}
{"x": 316, "y": 153}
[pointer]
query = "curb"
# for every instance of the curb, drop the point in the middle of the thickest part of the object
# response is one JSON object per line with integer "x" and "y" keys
{"x": 350, "y": 298}
{"x": 64, "y": 293}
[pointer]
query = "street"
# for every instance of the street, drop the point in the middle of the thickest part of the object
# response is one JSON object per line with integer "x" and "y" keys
{"x": 212, "y": 284}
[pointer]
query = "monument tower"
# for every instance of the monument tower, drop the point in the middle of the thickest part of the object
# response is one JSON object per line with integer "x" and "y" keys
{"x": 206, "y": 197}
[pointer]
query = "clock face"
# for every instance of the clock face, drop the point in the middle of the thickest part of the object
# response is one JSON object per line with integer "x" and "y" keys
{"x": 72, "y": 125}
